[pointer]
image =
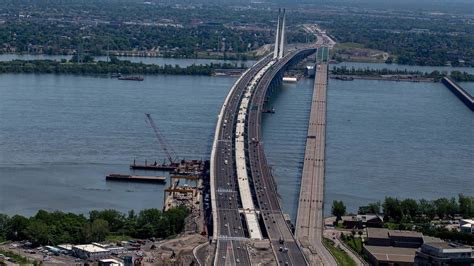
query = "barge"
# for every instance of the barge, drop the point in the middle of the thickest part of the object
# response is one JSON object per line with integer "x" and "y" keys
{"x": 135, "y": 78}
{"x": 136, "y": 178}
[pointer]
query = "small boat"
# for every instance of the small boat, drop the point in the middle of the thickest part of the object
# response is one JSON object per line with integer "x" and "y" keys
{"x": 135, "y": 78}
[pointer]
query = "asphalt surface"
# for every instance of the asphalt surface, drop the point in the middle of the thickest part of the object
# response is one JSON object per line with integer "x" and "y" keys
{"x": 285, "y": 248}
{"x": 309, "y": 222}
{"x": 232, "y": 235}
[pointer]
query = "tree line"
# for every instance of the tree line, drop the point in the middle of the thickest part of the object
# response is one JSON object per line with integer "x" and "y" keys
{"x": 397, "y": 210}
{"x": 86, "y": 65}
{"x": 410, "y": 213}
{"x": 58, "y": 227}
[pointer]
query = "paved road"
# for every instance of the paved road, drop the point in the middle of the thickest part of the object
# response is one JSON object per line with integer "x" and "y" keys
{"x": 309, "y": 222}
{"x": 284, "y": 246}
{"x": 231, "y": 226}
{"x": 231, "y": 232}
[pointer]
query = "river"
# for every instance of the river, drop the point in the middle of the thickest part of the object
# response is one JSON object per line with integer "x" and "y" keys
{"x": 61, "y": 134}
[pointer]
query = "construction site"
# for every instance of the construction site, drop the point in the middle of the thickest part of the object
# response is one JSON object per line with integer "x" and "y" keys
{"x": 188, "y": 185}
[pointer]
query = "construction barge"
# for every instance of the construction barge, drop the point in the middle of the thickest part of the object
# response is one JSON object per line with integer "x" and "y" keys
{"x": 154, "y": 167}
{"x": 135, "y": 178}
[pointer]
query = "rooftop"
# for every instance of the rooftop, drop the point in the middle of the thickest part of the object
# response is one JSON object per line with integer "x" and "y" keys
{"x": 447, "y": 245}
{"x": 430, "y": 239}
{"x": 393, "y": 254}
{"x": 90, "y": 248}
{"x": 65, "y": 246}
{"x": 399, "y": 233}
{"x": 377, "y": 232}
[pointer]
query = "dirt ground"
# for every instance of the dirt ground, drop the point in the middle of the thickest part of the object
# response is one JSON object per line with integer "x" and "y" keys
{"x": 177, "y": 251}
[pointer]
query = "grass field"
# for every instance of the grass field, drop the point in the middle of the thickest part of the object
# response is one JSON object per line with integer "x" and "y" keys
{"x": 340, "y": 255}
{"x": 355, "y": 243}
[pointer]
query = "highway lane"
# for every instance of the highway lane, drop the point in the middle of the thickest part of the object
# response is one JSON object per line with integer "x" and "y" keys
{"x": 231, "y": 231}
{"x": 232, "y": 235}
{"x": 284, "y": 246}
{"x": 309, "y": 223}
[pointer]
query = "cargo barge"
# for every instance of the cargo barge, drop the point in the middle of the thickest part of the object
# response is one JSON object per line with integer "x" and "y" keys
{"x": 136, "y": 178}
{"x": 154, "y": 167}
{"x": 135, "y": 78}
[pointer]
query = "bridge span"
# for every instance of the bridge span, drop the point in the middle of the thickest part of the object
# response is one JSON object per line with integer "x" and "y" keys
{"x": 245, "y": 203}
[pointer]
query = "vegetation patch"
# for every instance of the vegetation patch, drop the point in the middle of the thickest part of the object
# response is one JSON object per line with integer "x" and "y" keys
{"x": 58, "y": 227}
{"x": 17, "y": 258}
{"x": 340, "y": 255}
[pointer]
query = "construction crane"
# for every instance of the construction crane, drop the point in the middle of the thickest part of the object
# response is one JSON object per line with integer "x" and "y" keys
{"x": 164, "y": 146}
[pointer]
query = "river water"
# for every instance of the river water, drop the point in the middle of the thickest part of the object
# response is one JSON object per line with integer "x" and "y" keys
{"x": 60, "y": 136}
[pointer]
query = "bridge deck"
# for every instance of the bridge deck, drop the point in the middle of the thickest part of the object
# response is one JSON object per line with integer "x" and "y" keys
{"x": 285, "y": 248}
{"x": 241, "y": 178}
{"x": 309, "y": 223}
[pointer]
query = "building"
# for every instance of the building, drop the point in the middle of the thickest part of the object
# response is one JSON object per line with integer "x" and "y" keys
{"x": 363, "y": 220}
{"x": 466, "y": 226}
{"x": 66, "y": 248}
{"x": 405, "y": 239}
{"x": 395, "y": 238}
{"x": 392, "y": 247}
{"x": 110, "y": 262}
{"x": 377, "y": 237}
{"x": 383, "y": 255}
{"x": 90, "y": 252}
{"x": 443, "y": 253}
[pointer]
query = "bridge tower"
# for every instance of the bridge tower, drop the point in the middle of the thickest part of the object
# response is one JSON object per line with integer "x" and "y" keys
{"x": 281, "y": 47}
{"x": 277, "y": 37}
{"x": 280, "y": 38}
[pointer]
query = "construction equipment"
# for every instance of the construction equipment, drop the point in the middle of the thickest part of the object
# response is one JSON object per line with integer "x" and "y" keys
{"x": 164, "y": 146}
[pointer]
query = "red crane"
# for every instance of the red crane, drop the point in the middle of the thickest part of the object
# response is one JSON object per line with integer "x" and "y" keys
{"x": 163, "y": 144}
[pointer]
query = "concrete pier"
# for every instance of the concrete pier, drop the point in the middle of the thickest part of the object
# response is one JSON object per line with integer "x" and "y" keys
{"x": 309, "y": 222}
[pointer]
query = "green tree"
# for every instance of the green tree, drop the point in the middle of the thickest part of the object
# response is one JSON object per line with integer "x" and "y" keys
{"x": 409, "y": 207}
{"x": 115, "y": 219}
{"x": 427, "y": 209}
{"x": 99, "y": 229}
{"x": 371, "y": 208}
{"x": 392, "y": 209}
{"x": 466, "y": 206}
{"x": 442, "y": 205}
{"x": 37, "y": 232}
{"x": 4, "y": 220}
{"x": 338, "y": 209}
{"x": 16, "y": 228}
